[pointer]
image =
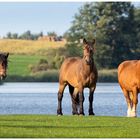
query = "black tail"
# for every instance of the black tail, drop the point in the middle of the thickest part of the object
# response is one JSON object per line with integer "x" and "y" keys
{"x": 71, "y": 90}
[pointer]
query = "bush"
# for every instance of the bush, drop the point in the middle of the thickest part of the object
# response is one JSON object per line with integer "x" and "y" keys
{"x": 41, "y": 66}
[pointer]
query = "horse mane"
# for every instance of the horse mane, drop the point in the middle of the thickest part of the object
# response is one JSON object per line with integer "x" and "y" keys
{"x": 3, "y": 59}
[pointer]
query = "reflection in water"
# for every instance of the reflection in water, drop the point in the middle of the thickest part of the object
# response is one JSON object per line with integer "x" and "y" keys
{"x": 41, "y": 98}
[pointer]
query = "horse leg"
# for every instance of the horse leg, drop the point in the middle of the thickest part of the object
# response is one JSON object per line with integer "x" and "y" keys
{"x": 74, "y": 100}
{"x": 91, "y": 94}
{"x": 60, "y": 96}
{"x": 131, "y": 98}
{"x": 81, "y": 101}
{"x": 128, "y": 100}
{"x": 135, "y": 102}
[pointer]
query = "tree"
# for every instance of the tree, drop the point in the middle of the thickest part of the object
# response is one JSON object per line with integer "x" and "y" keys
{"x": 136, "y": 43}
{"x": 111, "y": 24}
{"x": 14, "y": 36}
{"x": 52, "y": 34}
{"x": 8, "y": 35}
{"x": 26, "y": 35}
{"x": 40, "y": 34}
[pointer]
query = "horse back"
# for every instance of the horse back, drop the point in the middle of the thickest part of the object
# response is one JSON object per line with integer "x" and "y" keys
{"x": 129, "y": 74}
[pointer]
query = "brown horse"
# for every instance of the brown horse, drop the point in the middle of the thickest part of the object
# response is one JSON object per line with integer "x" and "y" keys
{"x": 129, "y": 80}
{"x": 3, "y": 65}
{"x": 78, "y": 73}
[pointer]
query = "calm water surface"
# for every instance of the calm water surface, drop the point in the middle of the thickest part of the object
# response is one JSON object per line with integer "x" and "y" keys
{"x": 41, "y": 98}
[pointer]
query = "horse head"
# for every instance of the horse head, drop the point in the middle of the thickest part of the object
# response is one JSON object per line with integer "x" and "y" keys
{"x": 3, "y": 65}
{"x": 88, "y": 51}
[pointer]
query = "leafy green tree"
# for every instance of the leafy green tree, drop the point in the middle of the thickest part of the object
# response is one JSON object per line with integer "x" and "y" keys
{"x": 26, "y": 35}
{"x": 40, "y": 34}
{"x": 111, "y": 23}
{"x": 52, "y": 34}
{"x": 14, "y": 36}
{"x": 9, "y": 35}
{"x": 136, "y": 43}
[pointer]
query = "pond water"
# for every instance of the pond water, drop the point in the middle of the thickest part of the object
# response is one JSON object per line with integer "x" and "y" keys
{"x": 41, "y": 98}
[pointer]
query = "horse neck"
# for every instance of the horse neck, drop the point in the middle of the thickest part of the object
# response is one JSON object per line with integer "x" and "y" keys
{"x": 88, "y": 68}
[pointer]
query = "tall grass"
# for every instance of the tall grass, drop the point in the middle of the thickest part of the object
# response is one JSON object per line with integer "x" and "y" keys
{"x": 108, "y": 75}
{"x": 14, "y": 46}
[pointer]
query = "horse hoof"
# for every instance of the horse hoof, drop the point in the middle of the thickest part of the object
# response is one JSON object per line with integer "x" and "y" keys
{"x": 91, "y": 114}
{"x": 128, "y": 113}
{"x": 81, "y": 114}
{"x": 75, "y": 114}
{"x": 133, "y": 114}
{"x": 60, "y": 114}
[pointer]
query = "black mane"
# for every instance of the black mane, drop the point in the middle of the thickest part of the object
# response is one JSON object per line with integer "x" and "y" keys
{"x": 3, "y": 59}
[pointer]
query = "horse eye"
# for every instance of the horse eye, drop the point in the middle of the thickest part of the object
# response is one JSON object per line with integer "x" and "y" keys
{"x": 3, "y": 64}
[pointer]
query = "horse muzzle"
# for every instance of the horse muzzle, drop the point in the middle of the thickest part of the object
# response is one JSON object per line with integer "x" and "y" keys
{"x": 88, "y": 62}
{"x": 2, "y": 77}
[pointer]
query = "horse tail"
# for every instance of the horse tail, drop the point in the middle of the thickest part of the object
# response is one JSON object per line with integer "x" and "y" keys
{"x": 71, "y": 89}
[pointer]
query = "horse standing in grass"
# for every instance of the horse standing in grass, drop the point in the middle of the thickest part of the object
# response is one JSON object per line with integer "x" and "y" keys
{"x": 3, "y": 65}
{"x": 78, "y": 73}
{"x": 129, "y": 80}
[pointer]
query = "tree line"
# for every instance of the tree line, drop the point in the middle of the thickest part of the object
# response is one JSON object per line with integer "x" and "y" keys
{"x": 114, "y": 25}
{"x": 28, "y": 35}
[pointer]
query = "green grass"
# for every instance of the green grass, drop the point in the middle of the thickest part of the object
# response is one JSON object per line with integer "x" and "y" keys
{"x": 19, "y": 64}
{"x": 108, "y": 75}
{"x": 19, "y": 70}
{"x": 45, "y": 126}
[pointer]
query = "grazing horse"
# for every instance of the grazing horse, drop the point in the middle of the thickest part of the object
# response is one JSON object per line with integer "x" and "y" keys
{"x": 78, "y": 73}
{"x": 3, "y": 65}
{"x": 129, "y": 80}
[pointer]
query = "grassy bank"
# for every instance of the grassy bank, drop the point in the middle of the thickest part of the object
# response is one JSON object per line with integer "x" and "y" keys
{"x": 53, "y": 76}
{"x": 19, "y": 71}
{"x": 24, "y": 54}
{"x": 44, "y": 126}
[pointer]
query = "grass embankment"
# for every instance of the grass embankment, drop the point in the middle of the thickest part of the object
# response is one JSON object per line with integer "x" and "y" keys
{"x": 19, "y": 70}
{"x": 44, "y": 126}
{"x": 26, "y": 53}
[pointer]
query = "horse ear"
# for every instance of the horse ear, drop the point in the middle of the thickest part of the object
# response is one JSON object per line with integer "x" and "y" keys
{"x": 6, "y": 55}
{"x": 84, "y": 41}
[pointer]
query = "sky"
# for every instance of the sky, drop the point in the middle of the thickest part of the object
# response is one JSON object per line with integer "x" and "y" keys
{"x": 18, "y": 17}
{"x": 36, "y": 16}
